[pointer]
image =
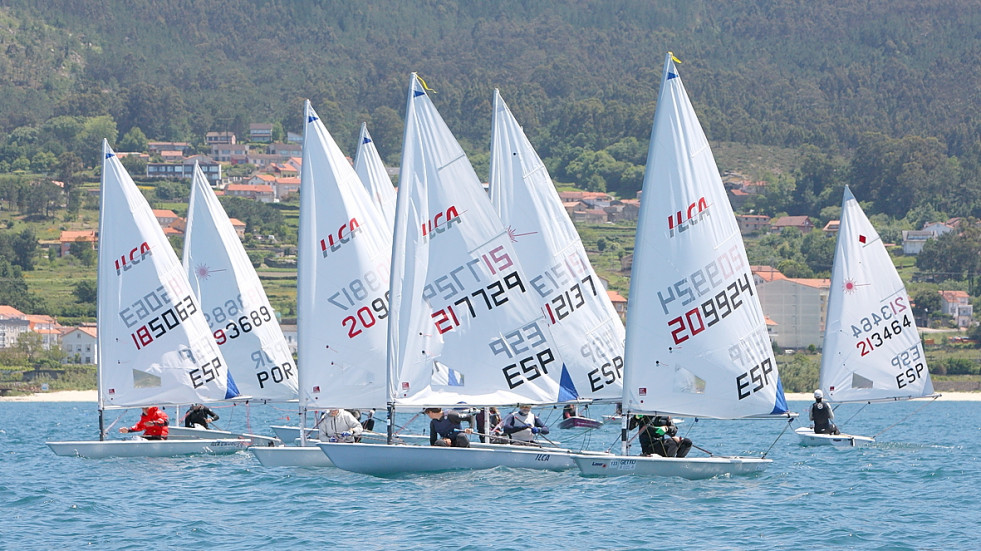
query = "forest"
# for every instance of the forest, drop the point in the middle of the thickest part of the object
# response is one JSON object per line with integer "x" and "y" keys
{"x": 879, "y": 95}
{"x": 807, "y": 97}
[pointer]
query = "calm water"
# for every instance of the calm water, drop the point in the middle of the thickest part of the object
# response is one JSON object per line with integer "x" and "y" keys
{"x": 917, "y": 489}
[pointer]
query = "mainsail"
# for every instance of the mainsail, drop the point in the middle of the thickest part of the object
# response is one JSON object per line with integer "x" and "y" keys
{"x": 369, "y": 167}
{"x": 345, "y": 250}
{"x": 464, "y": 326}
{"x": 573, "y": 300}
{"x": 696, "y": 338}
{"x": 233, "y": 301}
{"x": 872, "y": 350}
{"x": 154, "y": 344}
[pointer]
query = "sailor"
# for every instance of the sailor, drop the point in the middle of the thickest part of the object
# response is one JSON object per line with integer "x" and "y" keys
{"x": 201, "y": 415}
{"x": 822, "y": 415}
{"x": 340, "y": 426}
{"x": 523, "y": 425}
{"x": 153, "y": 422}
{"x": 446, "y": 429}
{"x": 659, "y": 435}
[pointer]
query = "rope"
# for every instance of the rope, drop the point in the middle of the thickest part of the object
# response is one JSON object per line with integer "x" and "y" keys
{"x": 854, "y": 414}
{"x": 876, "y": 435}
{"x": 790, "y": 421}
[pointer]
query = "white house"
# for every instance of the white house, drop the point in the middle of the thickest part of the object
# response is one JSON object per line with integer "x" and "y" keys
{"x": 80, "y": 345}
{"x": 796, "y": 306}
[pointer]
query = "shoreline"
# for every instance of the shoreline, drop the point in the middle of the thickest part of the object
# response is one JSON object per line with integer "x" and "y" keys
{"x": 92, "y": 396}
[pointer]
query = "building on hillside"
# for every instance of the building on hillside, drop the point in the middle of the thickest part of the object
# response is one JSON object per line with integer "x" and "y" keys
{"x": 261, "y": 193}
{"x": 797, "y": 307}
{"x": 286, "y": 187}
{"x": 171, "y": 156}
{"x": 738, "y": 198}
{"x": 802, "y": 223}
{"x": 230, "y": 153}
{"x": 185, "y": 169}
{"x": 293, "y": 137}
{"x": 69, "y": 237}
{"x": 957, "y": 304}
{"x": 239, "y": 227}
{"x": 223, "y": 138}
{"x": 260, "y": 132}
{"x": 80, "y": 345}
{"x": 831, "y": 228}
{"x": 290, "y": 332}
{"x": 619, "y": 303}
{"x": 913, "y": 240}
{"x": 285, "y": 149}
{"x": 165, "y": 217}
{"x": 591, "y": 216}
{"x": 752, "y": 223}
{"x": 13, "y": 323}
{"x": 46, "y": 326}
{"x": 155, "y": 148}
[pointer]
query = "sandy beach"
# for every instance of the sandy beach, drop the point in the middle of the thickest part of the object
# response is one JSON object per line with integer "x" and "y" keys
{"x": 91, "y": 396}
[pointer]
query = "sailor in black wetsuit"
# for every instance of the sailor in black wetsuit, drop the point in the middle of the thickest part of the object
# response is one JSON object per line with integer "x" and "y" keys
{"x": 822, "y": 415}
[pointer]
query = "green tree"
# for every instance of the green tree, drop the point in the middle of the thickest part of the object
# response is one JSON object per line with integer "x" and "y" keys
{"x": 85, "y": 291}
{"x": 134, "y": 140}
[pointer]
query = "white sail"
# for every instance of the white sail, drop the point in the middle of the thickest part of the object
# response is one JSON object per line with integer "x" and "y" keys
{"x": 576, "y": 307}
{"x": 464, "y": 325}
{"x": 233, "y": 301}
{"x": 872, "y": 350}
{"x": 696, "y": 338}
{"x": 345, "y": 250}
{"x": 369, "y": 167}
{"x": 155, "y": 347}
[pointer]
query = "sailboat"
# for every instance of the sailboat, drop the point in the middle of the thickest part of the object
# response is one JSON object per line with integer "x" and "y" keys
{"x": 236, "y": 307}
{"x": 577, "y": 308}
{"x": 697, "y": 343}
{"x": 464, "y": 325}
{"x": 872, "y": 351}
{"x": 369, "y": 167}
{"x": 154, "y": 345}
{"x": 344, "y": 255}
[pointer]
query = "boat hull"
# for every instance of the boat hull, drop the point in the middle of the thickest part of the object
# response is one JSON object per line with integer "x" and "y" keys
{"x": 387, "y": 459}
{"x": 192, "y": 433}
{"x": 580, "y": 422}
{"x": 692, "y": 468}
{"x": 808, "y": 438}
{"x": 146, "y": 448}
{"x": 291, "y": 456}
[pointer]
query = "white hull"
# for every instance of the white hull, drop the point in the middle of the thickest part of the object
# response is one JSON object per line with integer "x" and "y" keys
{"x": 808, "y": 438}
{"x": 185, "y": 433}
{"x": 292, "y": 434}
{"x": 146, "y": 448}
{"x": 385, "y": 459}
{"x": 291, "y": 456}
{"x": 692, "y": 468}
{"x": 289, "y": 434}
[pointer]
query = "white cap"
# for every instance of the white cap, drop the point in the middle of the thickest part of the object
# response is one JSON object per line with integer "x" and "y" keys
{"x": 818, "y": 393}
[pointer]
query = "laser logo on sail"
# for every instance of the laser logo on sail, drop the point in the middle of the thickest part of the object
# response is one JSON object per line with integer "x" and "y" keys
{"x": 344, "y": 235}
{"x": 136, "y": 255}
{"x": 681, "y": 221}
{"x": 440, "y": 223}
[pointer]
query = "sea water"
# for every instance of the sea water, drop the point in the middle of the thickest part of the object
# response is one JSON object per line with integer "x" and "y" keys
{"x": 916, "y": 489}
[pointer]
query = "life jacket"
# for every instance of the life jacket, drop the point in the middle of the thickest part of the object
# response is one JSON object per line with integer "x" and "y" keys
{"x": 821, "y": 414}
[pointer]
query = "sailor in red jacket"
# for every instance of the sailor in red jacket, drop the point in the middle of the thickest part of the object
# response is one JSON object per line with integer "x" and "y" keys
{"x": 153, "y": 423}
